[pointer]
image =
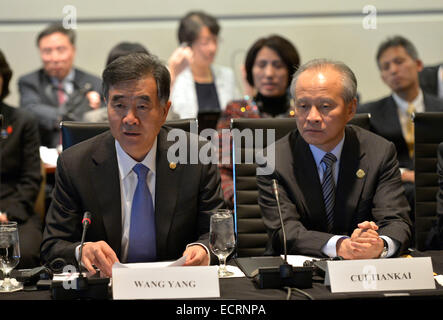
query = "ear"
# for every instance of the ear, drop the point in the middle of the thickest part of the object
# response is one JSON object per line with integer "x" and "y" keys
{"x": 166, "y": 108}
{"x": 419, "y": 65}
{"x": 352, "y": 108}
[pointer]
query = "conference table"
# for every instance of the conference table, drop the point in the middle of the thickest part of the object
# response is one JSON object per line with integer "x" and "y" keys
{"x": 246, "y": 289}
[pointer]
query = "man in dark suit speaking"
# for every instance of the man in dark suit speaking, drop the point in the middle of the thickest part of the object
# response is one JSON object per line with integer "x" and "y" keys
{"x": 144, "y": 208}
{"x": 339, "y": 185}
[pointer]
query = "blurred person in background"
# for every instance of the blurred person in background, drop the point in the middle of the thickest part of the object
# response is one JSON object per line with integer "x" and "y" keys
{"x": 20, "y": 173}
{"x": 198, "y": 85}
{"x": 270, "y": 63}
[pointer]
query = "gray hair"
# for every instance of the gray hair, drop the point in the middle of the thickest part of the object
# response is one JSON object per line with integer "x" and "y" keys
{"x": 349, "y": 81}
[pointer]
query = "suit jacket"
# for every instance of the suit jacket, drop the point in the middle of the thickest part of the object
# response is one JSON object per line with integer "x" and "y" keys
{"x": 19, "y": 164}
{"x": 385, "y": 122}
{"x": 39, "y": 96}
{"x": 428, "y": 79}
{"x": 378, "y": 196}
{"x": 87, "y": 179}
{"x": 435, "y": 238}
{"x": 184, "y": 95}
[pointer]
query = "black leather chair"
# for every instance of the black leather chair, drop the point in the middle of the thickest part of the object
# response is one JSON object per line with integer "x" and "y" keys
{"x": 251, "y": 232}
{"x": 428, "y": 135}
{"x": 74, "y": 132}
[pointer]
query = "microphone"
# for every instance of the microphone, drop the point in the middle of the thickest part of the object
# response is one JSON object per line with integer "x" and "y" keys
{"x": 285, "y": 275}
{"x": 275, "y": 190}
{"x": 90, "y": 287}
{"x": 86, "y": 221}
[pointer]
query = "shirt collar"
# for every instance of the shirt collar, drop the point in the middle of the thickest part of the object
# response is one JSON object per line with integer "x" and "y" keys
{"x": 69, "y": 78}
{"x": 319, "y": 153}
{"x": 403, "y": 104}
{"x": 126, "y": 163}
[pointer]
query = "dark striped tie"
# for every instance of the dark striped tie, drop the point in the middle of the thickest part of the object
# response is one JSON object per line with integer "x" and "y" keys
{"x": 328, "y": 187}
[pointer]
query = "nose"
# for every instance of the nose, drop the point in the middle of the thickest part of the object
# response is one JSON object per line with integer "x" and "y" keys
{"x": 313, "y": 115}
{"x": 269, "y": 70}
{"x": 130, "y": 118}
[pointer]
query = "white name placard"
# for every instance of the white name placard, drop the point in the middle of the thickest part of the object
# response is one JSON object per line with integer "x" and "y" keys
{"x": 165, "y": 283}
{"x": 380, "y": 275}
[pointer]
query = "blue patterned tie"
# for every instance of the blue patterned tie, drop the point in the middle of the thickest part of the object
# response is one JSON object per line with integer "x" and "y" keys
{"x": 328, "y": 187}
{"x": 142, "y": 242}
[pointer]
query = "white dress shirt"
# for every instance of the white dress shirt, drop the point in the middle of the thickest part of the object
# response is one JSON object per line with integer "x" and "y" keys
{"x": 330, "y": 248}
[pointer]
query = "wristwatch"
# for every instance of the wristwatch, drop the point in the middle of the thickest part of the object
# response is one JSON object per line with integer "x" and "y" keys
{"x": 384, "y": 253}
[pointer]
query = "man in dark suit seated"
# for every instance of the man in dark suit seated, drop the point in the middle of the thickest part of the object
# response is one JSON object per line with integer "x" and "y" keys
{"x": 431, "y": 80}
{"x": 58, "y": 91}
{"x": 20, "y": 174}
{"x": 435, "y": 237}
{"x": 161, "y": 215}
{"x": 339, "y": 185}
{"x": 391, "y": 117}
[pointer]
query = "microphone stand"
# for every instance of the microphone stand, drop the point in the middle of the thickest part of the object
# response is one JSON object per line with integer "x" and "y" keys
{"x": 91, "y": 287}
{"x": 285, "y": 275}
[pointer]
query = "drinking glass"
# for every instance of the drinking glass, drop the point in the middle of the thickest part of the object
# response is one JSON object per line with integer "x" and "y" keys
{"x": 9, "y": 255}
{"x": 222, "y": 238}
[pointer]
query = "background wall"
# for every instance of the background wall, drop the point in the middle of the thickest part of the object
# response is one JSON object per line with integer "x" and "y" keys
{"x": 318, "y": 28}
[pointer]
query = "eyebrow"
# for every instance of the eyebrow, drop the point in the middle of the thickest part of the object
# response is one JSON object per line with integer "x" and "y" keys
{"x": 121, "y": 96}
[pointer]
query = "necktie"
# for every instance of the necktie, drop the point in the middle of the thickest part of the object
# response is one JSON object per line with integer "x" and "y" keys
{"x": 142, "y": 240}
{"x": 410, "y": 130}
{"x": 328, "y": 187}
{"x": 61, "y": 94}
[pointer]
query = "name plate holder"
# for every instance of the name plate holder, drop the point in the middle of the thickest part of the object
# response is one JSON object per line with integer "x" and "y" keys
{"x": 165, "y": 283}
{"x": 380, "y": 275}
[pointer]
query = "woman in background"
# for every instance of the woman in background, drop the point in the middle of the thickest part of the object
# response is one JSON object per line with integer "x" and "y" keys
{"x": 20, "y": 173}
{"x": 269, "y": 66}
{"x": 199, "y": 86}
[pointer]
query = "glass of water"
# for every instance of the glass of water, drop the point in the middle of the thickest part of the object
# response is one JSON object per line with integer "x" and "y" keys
{"x": 222, "y": 238}
{"x": 9, "y": 255}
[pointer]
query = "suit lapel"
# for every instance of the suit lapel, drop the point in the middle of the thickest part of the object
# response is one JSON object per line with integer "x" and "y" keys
{"x": 49, "y": 90}
{"x": 349, "y": 183}
{"x": 306, "y": 174}
{"x": 167, "y": 188}
{"x": 107, "y": 183}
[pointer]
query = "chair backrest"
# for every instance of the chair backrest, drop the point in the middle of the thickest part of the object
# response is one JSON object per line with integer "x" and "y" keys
{"x": 428, "y": 135}
{"x": 251, "y": 232}
{"x": 362, "y": 120}
{"x": 74, "y": 132}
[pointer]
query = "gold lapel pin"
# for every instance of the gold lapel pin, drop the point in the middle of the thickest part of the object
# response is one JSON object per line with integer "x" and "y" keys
{"x": 172, "y": 165}
{"x": 360, "y": 173}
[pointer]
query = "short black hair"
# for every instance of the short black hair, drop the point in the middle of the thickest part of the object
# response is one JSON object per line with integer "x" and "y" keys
{"x": 124, "y": 48}
{"x": 54, "y": 28}
{"x": 397, "y": 41}
{"x": 6, "y": 74}
{"x": 136, "y": 66}
{"x": 191, "y": 24}
{"x": 283, "y": 47}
